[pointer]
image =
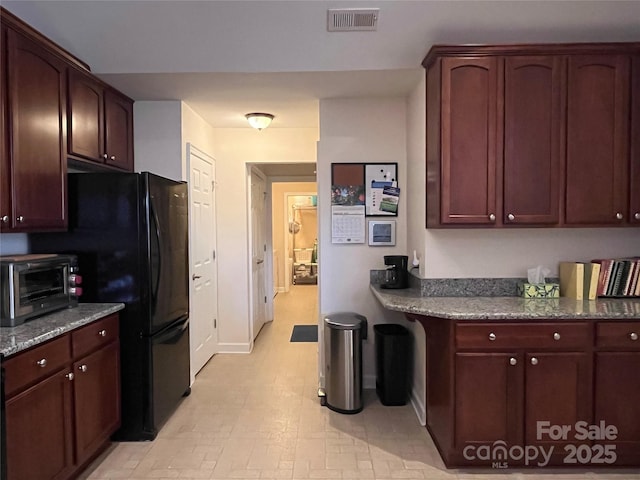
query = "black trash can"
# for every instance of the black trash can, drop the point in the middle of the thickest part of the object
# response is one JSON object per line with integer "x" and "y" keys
{"x": 393, "y": 344}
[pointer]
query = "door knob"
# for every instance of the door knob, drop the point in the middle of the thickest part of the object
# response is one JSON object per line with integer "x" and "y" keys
{"x": 534, "y": 361}
{"x": 5, "y": 218}
{"x": 511, "y": 217}
{"x": 633, "y": 336}
{"x": 82, "y": 368}
{"x": 619, "y": 216}
{"x": 513, "y": 361}
{"x": 492, "y": 217}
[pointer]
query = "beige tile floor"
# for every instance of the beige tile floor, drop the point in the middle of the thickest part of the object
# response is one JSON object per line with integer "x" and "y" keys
{"x": 258, "y": 416}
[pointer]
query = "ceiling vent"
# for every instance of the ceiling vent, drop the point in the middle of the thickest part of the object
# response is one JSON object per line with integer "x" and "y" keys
{"x": 352, "y": 19}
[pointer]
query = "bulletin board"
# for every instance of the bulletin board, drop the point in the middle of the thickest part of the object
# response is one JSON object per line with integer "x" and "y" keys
{"x": 360, "y": 190}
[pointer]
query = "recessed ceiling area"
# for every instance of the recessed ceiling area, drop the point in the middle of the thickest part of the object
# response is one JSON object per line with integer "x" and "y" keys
{"x": 227, "y": 58}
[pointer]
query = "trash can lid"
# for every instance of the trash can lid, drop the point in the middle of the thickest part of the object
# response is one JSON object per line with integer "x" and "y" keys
{"x": 345, "y": 320}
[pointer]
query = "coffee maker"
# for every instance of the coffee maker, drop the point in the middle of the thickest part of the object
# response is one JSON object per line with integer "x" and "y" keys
{"x": 397, "y": 273}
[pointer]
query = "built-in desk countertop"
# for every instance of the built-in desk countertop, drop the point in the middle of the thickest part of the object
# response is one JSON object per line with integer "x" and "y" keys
{"x": 410, "y": 300}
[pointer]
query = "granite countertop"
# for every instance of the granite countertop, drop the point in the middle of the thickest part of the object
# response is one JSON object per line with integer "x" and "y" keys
{"x": 39, "y": 330}
{"x": 410, "y": 300}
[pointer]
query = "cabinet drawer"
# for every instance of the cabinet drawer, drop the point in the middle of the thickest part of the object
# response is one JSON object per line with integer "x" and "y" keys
{"x": 519, "y": 335}
{"x": 27, "y": 367}
{"x": 94, "y": 335}
{"x": 624, "y": 335}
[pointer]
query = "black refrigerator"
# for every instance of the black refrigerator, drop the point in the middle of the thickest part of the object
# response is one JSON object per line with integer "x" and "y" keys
{"x": 130, "y": 233}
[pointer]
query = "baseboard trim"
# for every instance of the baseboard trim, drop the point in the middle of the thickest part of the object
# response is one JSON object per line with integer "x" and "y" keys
{"x": 234, "y": 348}
{"x": 419, "y": 408}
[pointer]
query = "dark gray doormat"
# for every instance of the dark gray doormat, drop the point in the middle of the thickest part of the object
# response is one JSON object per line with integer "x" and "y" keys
{"x": 304, "y": 333}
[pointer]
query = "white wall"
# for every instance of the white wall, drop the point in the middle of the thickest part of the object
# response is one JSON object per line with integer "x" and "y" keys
{"x": 416, "y": 233}
{"x": 233, "y": 148}
{"x": 358, "y": 131}
{"x": 157, "y": 138}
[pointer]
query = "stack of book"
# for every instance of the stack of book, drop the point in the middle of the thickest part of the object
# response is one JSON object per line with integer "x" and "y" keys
{"x": 619, "y": 277}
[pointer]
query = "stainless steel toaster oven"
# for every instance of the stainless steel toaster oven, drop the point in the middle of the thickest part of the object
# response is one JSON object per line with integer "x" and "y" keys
{"x": 32, "y": 285}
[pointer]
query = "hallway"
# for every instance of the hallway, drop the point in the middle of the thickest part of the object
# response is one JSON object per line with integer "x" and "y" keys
{"x": 258, "y": 416}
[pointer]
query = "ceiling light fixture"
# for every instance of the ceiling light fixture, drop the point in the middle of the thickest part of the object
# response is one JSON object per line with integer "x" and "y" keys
{"x": 259, "y": 120}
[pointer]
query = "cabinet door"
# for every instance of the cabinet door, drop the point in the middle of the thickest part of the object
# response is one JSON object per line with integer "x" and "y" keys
{"x": 558, "y": 391}
{"x": 97, "y": 399}
{"x": 634, "y": 177}
{"x": 597, "y": 140}
{"x": 468, "y": 140}
{"x": 118, "y": 131}
{"x": 5, "y": 170}
{"x": 488, "y": 398}
{"x": 533, "y": 114}
{"x": 85, "y": 117}
{"x": 37, "y": 102}
{"x": 39, "y": 431}
{"x": 617, "y": 384}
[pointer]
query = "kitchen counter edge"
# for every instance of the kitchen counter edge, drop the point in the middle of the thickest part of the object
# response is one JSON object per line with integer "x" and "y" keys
{"x": 39, "y": 330}
{"x": 506, "y": 308}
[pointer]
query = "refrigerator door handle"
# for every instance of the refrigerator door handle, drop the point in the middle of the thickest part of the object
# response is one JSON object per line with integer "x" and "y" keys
{"x": 156, "y": 285}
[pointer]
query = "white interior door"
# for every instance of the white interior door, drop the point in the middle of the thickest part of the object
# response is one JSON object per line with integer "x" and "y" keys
{"x": 204, "y": 277}
{"x": 258, "y": 252}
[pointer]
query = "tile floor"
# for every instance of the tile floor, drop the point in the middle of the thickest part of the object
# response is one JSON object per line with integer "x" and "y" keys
{"x": 258, "y": 416}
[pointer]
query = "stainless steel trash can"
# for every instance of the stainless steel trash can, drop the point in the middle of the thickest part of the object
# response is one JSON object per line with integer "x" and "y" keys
{"x": 343, "y": 335}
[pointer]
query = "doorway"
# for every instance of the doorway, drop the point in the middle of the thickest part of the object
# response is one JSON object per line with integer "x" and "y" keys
{"x": 281, "y": 180}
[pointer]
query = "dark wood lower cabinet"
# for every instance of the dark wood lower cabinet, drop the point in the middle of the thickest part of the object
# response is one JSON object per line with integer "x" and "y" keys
{"x": 40, "y": 431}
{"x": 97, "y": 399}
{"x": 63, "y": 402}
{"x": 533, "y": 393}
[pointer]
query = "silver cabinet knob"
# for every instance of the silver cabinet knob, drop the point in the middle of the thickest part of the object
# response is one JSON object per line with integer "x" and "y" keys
{"x": 492, "y": 217}
{"x": 492, "y": 336}
{"x": 556, "y": 336}
{"x": 511, "y": 217}
{"x": 534, "y": 361}
{"x": 82, "y": 368}
{"x": 42, "y": 362}
{"x": 5, "y": 219}
{"x": 70, "y": 376}
{"x": 112, "y": 158}
{"x": 636, "y": 215}
{"x": 20, "y": 218}
{"x": 513, "y": 361}
{"x": 619, "y": 216}
{"x": 105, "y": 156}
{"x": 102, "y": 333}
{"x": 633, "y": 336}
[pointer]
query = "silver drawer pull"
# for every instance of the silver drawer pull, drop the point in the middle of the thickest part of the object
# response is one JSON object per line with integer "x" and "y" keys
{"x": 513, "y": 361}
{"x": 492, "y": 336}
{"x": 42, "y": 362}
{"x": 556, "y": 336}
{"x": 82, "y": 368}
{"x": 102, "y": 333}
{"x": 633, "y": 336}
{"x": 534, "y": 361}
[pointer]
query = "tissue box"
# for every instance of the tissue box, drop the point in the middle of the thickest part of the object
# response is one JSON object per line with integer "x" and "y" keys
{"x": 539, "y": 290}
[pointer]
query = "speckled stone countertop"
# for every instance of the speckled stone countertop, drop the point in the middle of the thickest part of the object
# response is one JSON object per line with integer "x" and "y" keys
{"x": 39, "y": 330}
{"x": 410, "y": 300}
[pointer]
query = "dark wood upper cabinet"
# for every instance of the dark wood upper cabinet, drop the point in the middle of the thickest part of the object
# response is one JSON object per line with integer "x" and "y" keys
{"x": 86, "y": 110}
{"x": 634, "y": 175}
{"x": 533, "y": 146}
{"x": 118, "y": 127}
{"x": 468, "y": 131}
{"x": 533, "y": 135}
{"x": 5, "y": 161}
{"x": 100, "y": 123}
{"x": 597, "y": 139}
{"x": 36, "y": 98}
